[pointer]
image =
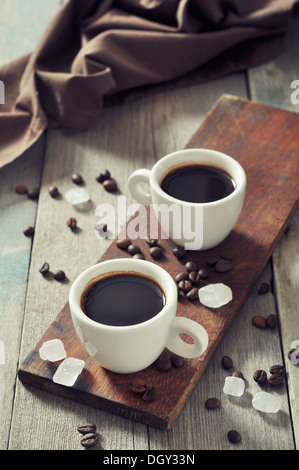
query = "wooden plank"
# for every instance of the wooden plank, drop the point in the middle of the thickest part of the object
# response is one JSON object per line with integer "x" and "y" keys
{"x": 253, "y": 239}
{"x": 271, "y": 83}
{"x": 21, "y": 24}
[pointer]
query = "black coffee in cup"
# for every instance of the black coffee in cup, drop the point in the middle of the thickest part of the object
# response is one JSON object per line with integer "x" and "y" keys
{"x": 198, "y": 183}
{"x": 122, "y": 299}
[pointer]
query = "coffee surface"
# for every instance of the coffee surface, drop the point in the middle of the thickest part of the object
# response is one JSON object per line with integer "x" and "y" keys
{"x": 122, "y": 300}
{"x": 198, "y": 184}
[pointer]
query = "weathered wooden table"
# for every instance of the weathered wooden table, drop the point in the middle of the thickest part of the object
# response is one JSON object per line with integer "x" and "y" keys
{"x": 124, "y": 138}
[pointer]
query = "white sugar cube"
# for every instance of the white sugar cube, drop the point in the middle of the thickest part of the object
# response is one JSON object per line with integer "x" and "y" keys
{"x": 68, "y": 371}
{"x": 52, "y": 350}
{"x": 234, "y": 386}
{"x": 266, "y": 402}
{"x": 215, "y": 295}
{"x": 77, "y": 196}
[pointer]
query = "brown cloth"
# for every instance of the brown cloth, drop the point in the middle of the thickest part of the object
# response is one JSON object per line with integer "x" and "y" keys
{"x": 97, "y": 51}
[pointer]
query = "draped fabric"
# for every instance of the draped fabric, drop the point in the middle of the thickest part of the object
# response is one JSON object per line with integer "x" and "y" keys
{"x": 96, "y": 53}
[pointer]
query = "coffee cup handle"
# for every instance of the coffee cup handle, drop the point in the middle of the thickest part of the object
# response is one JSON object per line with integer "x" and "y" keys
{"x": 139, "y": 194}
{"x": 197, "y": 332}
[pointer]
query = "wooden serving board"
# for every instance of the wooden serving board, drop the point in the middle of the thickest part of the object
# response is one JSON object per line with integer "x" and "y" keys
{"x": 265, "y": 141}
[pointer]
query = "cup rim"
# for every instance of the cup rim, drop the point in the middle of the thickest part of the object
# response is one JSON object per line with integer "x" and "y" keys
{"x": 155, "y": 183}
{"x": 119, "y": 265}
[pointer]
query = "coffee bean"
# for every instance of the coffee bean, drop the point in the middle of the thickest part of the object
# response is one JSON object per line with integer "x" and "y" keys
{"x": 133, "y": 249}
{"x": 151, "y": 241}
{"x": 238, "y": 373}
{"x": 138, "y": 256}
{"x": 194, "y": 277}
{"x": 183, "y": 276}
{"x": 223, "y": 265}
{"x": 59, "y": 275}
{"x": 259, "y": 321}
{"x": 21, "y": 189}
{"x": 89, "y": 440}
{"x": 212, "y": 260}
{"x": 271, "y": 320}
{"x": 203, "y": 273}
{"x": 155, "y": 252}
{"x": 72, "y": 223}
{"x": 110, "y": 185}
{"x": 234, "y": 436}
{"x": 45, "y": 268}
{"x": 192, "y": 294}
{"x": 179, "y": 252}
{"x": 138, "y": 387}
{"x": 212, "y": 403}
{"x": 275, "y": 379}
{"x": 29, "y": 231}
{"x": 177, "y": 361}
{"x": 163, "y": 363}
{"x": 190, "y": 266}
{"x": 33, "y": 193}
{"x": 277, "y": 369}
{"x": 227, "y": 362}
{"x": 123, "y": 243}
{"x": 87, "y": 428}
{"x": 150, "y": 394}
{"x": 103, "y": 176}
{"x": 264, "y": 288}
{"x": 227, "y": 255}
{"x": 260, "y": 376}
{"x": 53, "y": 191}
{"x": 185, "y": 286}
{"x": 181, "y": 295}
{"x": 77, "y": 178}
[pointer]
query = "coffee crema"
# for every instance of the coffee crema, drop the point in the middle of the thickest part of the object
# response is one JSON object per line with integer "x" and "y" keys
{"x": 198, "y": 183}
{"x": 122, "y": 299}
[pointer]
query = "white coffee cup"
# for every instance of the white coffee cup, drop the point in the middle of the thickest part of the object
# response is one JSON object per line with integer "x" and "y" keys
{"x": 195, "y": 226}
{"x": 128, "y": 349}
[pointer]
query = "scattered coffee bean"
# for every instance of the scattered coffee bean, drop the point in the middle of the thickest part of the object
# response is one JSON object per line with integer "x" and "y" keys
{"x": 177, "y": 361}
{"x": 53, "y": 191}
{"x": 77, "y": 178}
{"x": 29, "y": 231}
{"x": 33, "y": 193}
{"x": 151, "y": 241}
{"x": 277, "y": 369}
{"x": 59, "y": 275}
{"x": 192, "y": 294}
{"x": 87, "y": 428}
{"x": 212, "y": 260}
{"x": 138, "y": 387}
{"x": 185, "y": 286}
{"x": 271, "y": 320}
{"x": 275, "y": 379}
{"x": 110, "y": 185}
{"x": 45, "y": 268}
{"x": 89, "y": 440}
{"x": 163, "y": 363}
{"x": 179, "y": 252}
{"x": 223, "y": 265}
{"x": 72, "y": 223}
{"x": 150, "y": 394}
{"x": 103, "y": 176}
{"x": 264, "y": 288}
{"x": 227, "y": 255}
{"x": 183, "y": 276}
{"x": 260, "y": 376}
{"x": 133, "y": 249}
{"x": 181, "y": 295}
{"x": 138, "y": 256}
{"x": 190, "y": 266}
{"x": 21, "y": 189}
{"x": 212, "y": 403}
{"x": 259, "y": 321}
{"x": 238, "y": 373}
{"x": 234, "y": 436}
{"x": 194, "y": 277}
{"x": 227, "y": 362}
{"x": 155, "y": 252}
{"x": 123, "y": 243}
{"x": 203, "y": 273}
